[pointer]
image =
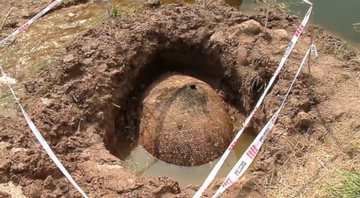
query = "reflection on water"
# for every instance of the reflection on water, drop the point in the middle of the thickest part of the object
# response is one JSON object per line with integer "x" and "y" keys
{"x": 145, "y": 165}
{"x": 337, "y": 16}
{"x": 36, "y": 49}
{"x": 234, "y": 3}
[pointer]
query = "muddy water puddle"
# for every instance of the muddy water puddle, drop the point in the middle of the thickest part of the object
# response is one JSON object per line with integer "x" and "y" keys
{"x": 145, "y": 165}
{"x": 42, "y": 44}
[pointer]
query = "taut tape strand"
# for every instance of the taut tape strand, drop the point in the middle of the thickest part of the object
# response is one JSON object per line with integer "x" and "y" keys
{"x": 248, "y": 157}
{"x": 308, "y": 2}
{"x": 24, "y": 26}
{"x": 8, "y": 81}
{"x": 45, "y": 145}
{"x": 221, "y": 161}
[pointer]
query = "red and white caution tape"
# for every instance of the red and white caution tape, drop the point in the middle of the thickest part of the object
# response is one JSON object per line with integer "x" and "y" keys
{"x": 43, "y": 142}
{"x": 8, "y": 81}
{"x": 221, "y": 161}
{"x": 308, "y": 2}
{"x": 248, "y": 157}
{"x": 24, "y": 26}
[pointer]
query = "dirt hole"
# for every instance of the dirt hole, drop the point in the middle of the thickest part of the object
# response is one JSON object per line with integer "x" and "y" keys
{"x": 202, "y": 68}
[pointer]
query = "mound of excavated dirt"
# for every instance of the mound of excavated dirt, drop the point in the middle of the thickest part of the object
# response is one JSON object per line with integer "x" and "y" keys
{"x": 85, "y": 104}
{"x": 89, "y": 101}
{"x": 183, "y": 121}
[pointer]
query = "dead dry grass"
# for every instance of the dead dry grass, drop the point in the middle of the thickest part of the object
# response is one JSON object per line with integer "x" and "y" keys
{"x": 331, "y": 147}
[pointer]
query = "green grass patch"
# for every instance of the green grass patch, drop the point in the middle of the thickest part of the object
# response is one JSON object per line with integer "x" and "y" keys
{"x": 122, "y": 11}
{"x": 348, "y": 188}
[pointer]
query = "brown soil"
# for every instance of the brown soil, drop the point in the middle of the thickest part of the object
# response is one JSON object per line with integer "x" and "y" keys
{"x": 82, "y": 104}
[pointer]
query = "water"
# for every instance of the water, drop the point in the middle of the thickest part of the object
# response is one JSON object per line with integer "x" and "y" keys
{"x": 336, "y": 16}
{"x": 145, "y": 165}
{"x": 41, "y": 45}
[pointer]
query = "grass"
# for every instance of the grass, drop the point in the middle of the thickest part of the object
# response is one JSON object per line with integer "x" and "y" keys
{"x": 336, "y": 48}
{"x": 348, "y": 188}
{"x": 44, "y": 65}
{"x": 120, "y": 10}
{"x": 274, "y": 4}
{"x": 115, "y": 12}
{"x": 68, "y": 3}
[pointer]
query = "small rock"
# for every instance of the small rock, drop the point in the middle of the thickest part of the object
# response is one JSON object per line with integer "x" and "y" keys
{"x": 269, "y": 160}
{"x": 4, "y": 165}
{"x": 305, "y": 105}
{"x": 152, "y": 3}
{"x": 280, "y": 34}
{"x": 100, "y": 115}
{"x": 71, "y": 15}
{"x": 218, "y": 37}
{"x": 287, "y": 122}
{"x": 340, "y": 115}
{"x": 267, "y": 36}
{"x": 303, "y": 120}
{"x": 18, "y": 167}
{"x": 251, "y": 27}
{"x": 34, "y": 190}
{"x": 4, "y": 195}
{"x": 87, "y": 61}
{"x": 68, "y": 58}
{"x": 345, "y": 76}
{"x": 281, "y": 141}
{"x": 46, "y": 101}
{"x": 49, "y": 183}
{"x": 102, "y": 68}
{"x": 355, "y": 124}
{"x": 242, "y": 54}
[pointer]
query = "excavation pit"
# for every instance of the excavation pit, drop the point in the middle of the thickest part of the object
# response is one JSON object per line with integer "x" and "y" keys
{"x": 182, "y": 113}
{"x": 101, "y": 91}
{"x": 182, "y": 103}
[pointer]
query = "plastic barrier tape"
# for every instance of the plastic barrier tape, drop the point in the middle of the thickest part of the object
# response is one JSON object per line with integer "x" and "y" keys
{"x": 24, "y": 26}
{"x": 308, "y": 2}
{"x": 248, "y": 157}
{"x": 8, "y": 81}
{"x": 221, "y": 161}
{"x": 45, "y": 145}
